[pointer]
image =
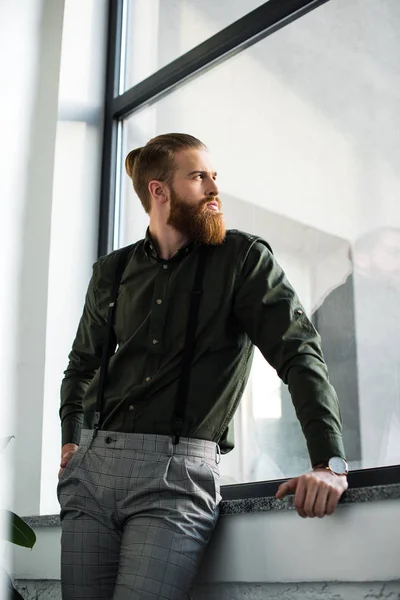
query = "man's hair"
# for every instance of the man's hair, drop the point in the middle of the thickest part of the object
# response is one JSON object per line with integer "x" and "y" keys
{"x": 155, "y": 160}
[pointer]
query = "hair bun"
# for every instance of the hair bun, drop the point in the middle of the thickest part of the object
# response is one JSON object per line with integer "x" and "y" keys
{"x": 130, "y": 160}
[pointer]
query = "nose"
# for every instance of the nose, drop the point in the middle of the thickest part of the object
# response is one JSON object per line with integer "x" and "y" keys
{"x": 213, "y": 189}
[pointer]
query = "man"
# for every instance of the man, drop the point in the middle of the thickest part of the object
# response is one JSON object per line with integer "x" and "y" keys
{"x": 360, "y": 330}
{"x": 139, "y": 496}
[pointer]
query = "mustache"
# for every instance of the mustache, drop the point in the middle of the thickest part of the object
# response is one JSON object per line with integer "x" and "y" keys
{"x": 211, "y": 199}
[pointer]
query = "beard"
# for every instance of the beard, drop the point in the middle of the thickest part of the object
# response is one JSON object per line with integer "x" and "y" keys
{"x": 198, "y": 223}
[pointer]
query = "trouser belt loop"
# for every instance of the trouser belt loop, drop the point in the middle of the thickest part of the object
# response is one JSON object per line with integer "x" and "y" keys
{"x": 92, "y": 437}
{"x": 217, "y": 454}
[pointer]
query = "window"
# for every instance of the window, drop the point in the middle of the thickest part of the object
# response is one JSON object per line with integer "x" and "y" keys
{"x": 302, "y": 127}
{"x": 158, "y": 31}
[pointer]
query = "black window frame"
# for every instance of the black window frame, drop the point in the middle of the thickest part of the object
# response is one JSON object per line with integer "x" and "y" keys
{"x": 265, "y": 20}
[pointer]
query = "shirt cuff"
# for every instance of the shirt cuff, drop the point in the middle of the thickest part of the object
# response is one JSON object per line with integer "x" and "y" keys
{"x": 322, "y": 448}
{"x": 71, "y": 432}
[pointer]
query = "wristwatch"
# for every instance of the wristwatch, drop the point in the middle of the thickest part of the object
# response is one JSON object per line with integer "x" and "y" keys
{"x": 336, "y": 465}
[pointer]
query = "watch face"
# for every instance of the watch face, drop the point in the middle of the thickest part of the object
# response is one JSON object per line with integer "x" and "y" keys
{"x": 338, "y": 465}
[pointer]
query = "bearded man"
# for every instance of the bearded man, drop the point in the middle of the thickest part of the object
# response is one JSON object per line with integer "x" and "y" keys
{"x": 157, "y": 370}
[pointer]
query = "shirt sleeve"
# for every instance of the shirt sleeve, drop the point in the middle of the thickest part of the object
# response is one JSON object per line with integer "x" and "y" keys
{"x": 84, "y": 360}
{"x": 270, "y": 312}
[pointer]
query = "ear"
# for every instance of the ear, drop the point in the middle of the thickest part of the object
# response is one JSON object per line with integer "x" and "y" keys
{"x": 157, "y": 191}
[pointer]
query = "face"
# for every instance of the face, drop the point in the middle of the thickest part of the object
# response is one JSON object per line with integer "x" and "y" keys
{"x": 195, "y": 208}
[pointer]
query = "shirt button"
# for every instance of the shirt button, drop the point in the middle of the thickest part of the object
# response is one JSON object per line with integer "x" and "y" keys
{"x": 131, "y": 407}
{"x": 165, "y": 267}
{"x": 148, "y": 379}
{"x": 159, "y": 301}
{"x": 299, "y": 312}
{"x": 155, "y": 342}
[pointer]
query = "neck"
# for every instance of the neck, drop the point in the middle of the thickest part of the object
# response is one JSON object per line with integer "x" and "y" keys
{"x": 167, "y": 239}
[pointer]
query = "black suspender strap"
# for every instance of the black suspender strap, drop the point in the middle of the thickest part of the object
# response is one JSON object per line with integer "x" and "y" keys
{"x": 188, "y": 349}
{"x": 109, "y": 341}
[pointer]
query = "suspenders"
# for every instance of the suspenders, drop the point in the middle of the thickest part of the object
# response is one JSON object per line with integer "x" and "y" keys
{"x": 188, "y": 349}
{"x": 109, "y": 343}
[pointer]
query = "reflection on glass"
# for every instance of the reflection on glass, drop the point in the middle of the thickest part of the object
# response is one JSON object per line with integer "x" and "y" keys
{"x": 159, "y": 31}
{"x": 302, "y": 128}
{"x": 359, "y": 325}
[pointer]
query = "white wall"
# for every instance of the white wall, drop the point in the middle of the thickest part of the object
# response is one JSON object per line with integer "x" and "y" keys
{"x": 19, "y": 39}
{"x": 74, "y": 210}
{"x": 35, "y": 229}
{"x": 53, "y": 161}
{"x": 358, "y": 543}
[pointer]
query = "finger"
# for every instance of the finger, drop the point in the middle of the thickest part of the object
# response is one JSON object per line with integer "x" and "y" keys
{"x": 332, "y": 502}
{"x": 289, "y": 487}
{"x": 300, "y": 498}
{"x": 66, "y": 458}
{"x": 320, "y": 505}
{"x": 311, "y": 495}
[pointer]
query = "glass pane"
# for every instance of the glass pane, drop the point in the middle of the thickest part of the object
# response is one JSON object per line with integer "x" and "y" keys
{"x": 159, "y": 31}
{"x": 303, "y": 130}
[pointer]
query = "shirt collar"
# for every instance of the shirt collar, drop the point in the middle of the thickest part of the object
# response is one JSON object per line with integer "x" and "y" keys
{"x": 151, "y": 250}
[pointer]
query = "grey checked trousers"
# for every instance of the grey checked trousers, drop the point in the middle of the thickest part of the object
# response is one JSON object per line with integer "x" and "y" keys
{"x": 137, "y": 513}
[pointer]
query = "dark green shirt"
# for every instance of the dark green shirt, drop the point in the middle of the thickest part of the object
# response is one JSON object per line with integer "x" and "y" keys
{"x": 246, "y": 301}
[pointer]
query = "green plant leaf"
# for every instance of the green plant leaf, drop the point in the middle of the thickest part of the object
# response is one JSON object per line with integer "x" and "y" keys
{"x": 4, "y": 442}
{"x": 19, "y": 532}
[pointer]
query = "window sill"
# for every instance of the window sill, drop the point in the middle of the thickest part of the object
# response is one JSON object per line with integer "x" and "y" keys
{"x": 270, "y": 503}
{"x": 264, "y": 503}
